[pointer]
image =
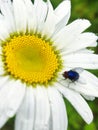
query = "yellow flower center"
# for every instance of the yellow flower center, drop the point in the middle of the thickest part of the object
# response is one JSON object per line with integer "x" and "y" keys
{"x": 30, "y": 59}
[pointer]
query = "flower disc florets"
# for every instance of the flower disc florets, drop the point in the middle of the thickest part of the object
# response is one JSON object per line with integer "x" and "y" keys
{"x": 31, "y": 59}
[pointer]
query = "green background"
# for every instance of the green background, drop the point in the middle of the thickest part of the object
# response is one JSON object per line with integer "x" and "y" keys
{"x": 80, "y": 9}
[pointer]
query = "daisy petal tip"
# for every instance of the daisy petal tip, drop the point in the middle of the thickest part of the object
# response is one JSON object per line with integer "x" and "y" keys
{"x": 3, "y": 120}
{"x": 88, "y": 117}
{"x": 95, "y": 38}
{"x": 86, "y": 22}
{"x": 68, "y": 3}
{"x": 10, "y": 113}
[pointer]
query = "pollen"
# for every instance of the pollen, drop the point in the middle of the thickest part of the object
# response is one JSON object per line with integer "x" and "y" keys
{"x": 30, "y": 59}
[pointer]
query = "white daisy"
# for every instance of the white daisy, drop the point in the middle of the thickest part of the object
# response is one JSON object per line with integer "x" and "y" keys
{"x": 36, "y": 48}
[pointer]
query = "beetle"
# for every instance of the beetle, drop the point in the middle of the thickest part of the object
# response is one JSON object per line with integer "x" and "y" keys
{"x": 73, "y": 74}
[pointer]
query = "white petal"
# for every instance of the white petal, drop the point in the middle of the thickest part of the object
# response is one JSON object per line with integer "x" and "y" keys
{"x": 41, "y": 10}
{"x": 78, "y": 103}
{"x": 84, "y": 51}
{"x": 3, "y": 81}
{"x": 26, "y": 114}
{"x": 20, "y": 15}
{"x": 63, "y": 13}
{"x": 1, "y": 16}
{"x": 31, "y": 16}
{"x": 91, "y": 98}
{"x": 90, "y": 78}
{"x": 3, "y": 96}
{"x": 72, "y": 30}
{"x": 7, "y": 11}
{"x": 42, "y": 110}
{"x": 63, "y": 9}
{"x": 3, "y": 120}
{"x": 86, "y": 89}
{"x": 15, "y": 98}
{"x": 1, "y": 70}
{"x": 11, "y": 96}
{"x": 49, "y": 25}
{"x": 82, "y": 41}
{"x": 4, "y": 32}
{"x": 87, "y": 61}
{"x": 58, "y": 110}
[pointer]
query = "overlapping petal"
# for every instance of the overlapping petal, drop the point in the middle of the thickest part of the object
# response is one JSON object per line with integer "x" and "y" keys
{"x": 72, "y": 30}
{"x": 42, "y": 113}
{"x": 11, "y": 96}
{"x": 63, "y": 14}
{"x": 83, "y": 60}
{"x": 58, "y": 110}
{"x": 78, "y": 103}
{"x": 82, "y": 41}
{"x": 20, "y": 15}
{"x": 7, "y": 12}
{"x": 26, "y": 114}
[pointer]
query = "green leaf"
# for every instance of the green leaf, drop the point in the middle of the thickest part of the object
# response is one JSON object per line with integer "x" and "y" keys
{"x": 90, "y": 127}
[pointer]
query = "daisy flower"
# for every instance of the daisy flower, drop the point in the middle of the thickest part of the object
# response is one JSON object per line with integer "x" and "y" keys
{"x": 36, "y": 48}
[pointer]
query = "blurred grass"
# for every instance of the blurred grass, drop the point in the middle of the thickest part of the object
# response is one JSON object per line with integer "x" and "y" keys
{"x": 80, "y": 9}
